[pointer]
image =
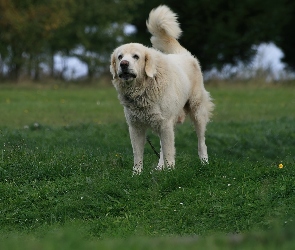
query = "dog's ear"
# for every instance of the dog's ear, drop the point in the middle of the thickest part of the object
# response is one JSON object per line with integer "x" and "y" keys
{"x": 113, "y": 65}
{"x": 150, "y": 68}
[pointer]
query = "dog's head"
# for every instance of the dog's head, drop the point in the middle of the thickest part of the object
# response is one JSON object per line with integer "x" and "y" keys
{"x": 132, "y": 61}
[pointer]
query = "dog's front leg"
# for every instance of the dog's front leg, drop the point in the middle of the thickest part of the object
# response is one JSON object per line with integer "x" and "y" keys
{"x": 167, "y": 146}
{"x": 137, "y": 136}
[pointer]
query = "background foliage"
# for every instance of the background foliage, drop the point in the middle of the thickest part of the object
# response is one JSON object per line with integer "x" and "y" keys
{"x": 32, "y": 32}
{"x": 222, "y": 31}
{"x": 217, "y": 32}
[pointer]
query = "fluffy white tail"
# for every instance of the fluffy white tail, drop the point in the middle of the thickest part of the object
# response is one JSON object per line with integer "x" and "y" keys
{"x": 164, "y": 27}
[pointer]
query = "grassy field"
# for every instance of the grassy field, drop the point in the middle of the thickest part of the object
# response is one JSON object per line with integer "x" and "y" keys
{"x": 66, "y": 164}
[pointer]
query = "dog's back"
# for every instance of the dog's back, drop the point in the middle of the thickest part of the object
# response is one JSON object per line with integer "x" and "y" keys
{"x": 164, "y": 27}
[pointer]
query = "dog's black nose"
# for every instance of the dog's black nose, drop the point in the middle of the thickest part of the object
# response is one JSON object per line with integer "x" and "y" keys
{"x": 124, "y": 64}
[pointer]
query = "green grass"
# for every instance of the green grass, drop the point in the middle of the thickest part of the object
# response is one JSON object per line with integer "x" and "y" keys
{"x": 66, "y": 163}
{"x": 58, "y": 106}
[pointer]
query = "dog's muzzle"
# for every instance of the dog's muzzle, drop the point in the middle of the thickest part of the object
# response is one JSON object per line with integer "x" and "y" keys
{"x": 125, "y": 73}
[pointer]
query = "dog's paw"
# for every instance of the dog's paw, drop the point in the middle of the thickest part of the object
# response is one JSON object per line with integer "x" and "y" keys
{"x": 136, "y": 171}
{"x": 205, "y": 161}
{"x": 160, "y": 167}
{"x": 157, "y": 168}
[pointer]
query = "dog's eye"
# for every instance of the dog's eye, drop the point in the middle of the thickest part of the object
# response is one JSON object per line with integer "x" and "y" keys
{"x": 136, "y": 57}
{"x": 120, "y": 57}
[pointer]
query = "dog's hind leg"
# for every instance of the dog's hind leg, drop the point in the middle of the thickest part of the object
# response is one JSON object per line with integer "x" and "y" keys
{"x": 200, "y": 126}
{"x": 200, "y": 112}
{"x": 161, "y": 160}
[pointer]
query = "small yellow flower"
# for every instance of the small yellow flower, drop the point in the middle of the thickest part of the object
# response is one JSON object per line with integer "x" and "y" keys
{"x": 281, "y": 165}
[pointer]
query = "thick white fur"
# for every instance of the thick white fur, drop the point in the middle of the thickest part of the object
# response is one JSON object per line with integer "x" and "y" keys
{"x": 165, "y": 85}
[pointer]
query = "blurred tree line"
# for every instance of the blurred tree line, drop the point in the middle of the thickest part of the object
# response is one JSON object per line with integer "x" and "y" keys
{"x": 216, "y": 31}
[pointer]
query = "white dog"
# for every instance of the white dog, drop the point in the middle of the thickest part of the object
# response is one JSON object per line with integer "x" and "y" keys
{"x": 158, "y": 87}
